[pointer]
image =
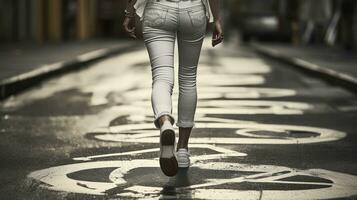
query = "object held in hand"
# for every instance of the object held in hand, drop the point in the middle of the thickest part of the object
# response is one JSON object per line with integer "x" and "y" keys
{"x": 217, "y": 40}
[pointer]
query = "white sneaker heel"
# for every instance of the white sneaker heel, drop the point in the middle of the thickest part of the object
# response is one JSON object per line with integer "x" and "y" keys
{"x": 183, "y": 158}
{"x": 168, "y": 162}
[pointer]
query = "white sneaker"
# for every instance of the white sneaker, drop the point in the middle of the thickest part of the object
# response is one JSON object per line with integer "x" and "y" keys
{"x": 168, "y": 162}
{"x": 183, "y": 158}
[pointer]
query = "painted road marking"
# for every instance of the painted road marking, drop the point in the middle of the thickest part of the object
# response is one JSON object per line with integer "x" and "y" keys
{"x": 246, "y": 107}
{"x": 245, "y": 181}
{"x": 275, "y": 182}
{"x": 223, "y": 152}
{"x": 212, "y": 92}
{"x": 252, "y": 134}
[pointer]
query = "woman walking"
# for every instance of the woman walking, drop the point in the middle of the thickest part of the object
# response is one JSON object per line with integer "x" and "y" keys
{"x": 164, "y": 21}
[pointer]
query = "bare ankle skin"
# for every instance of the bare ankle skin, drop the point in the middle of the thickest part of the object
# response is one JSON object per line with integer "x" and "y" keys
{"x": 184, "y": 133}
{"x": 163, "y": 118}
{"x": 184, "y": 136}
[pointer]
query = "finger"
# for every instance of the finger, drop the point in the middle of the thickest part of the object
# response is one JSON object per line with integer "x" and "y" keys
{"x": 221, "y": 38}
{"x": 127, "y": 29}
{"x": 216, "y": 41}
{"x": 219, "y": 35}
{"x": 126, "y": 25}
{"x": 132, "y": 29}
{"x": 215, "y": 36}
{"x": 133, "y": 35}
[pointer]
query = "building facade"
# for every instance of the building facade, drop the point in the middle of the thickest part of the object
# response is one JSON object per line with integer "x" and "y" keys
{"x": 59, "y": 20}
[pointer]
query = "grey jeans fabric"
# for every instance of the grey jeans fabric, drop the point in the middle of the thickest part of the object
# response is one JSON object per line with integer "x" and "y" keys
{"x": 163, "y": 22}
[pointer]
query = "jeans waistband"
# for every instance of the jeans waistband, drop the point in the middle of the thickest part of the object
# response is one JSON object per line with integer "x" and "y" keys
{"x": 176, "y": 4}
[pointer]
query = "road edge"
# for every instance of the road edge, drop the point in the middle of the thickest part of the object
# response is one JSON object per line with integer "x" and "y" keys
{"x": 19, "y": 83}
{"x": 331, "y": 76}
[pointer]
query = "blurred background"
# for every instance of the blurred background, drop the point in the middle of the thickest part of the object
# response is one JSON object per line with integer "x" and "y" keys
{"x": 300, "y": 22}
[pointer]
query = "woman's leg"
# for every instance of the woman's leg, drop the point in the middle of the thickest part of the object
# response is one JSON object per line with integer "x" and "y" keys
{"x": 184, "y": 136}
{"x": 160, "y": 41}
{"x": 191, "y": 33}
{"x": 159, "y": 35}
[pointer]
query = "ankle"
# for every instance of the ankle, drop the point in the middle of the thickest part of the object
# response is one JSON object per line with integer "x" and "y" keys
{"x": 164, "y": 119}
{"x": 180, "y": 146}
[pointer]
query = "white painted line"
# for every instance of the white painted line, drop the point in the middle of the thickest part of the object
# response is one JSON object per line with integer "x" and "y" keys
{"x": 92, "y": 55}
{"x": 340, "y": 185}
{"x": 253, "y": 134}
{"x": 224, "y": 152}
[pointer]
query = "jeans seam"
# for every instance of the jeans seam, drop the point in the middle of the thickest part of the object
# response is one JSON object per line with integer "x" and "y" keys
{"x": 176, "y": 9}
{"x": 175, "y": 25}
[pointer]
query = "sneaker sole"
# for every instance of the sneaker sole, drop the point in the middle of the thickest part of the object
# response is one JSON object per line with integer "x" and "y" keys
{"x": 184, "y": 165}
{"x": 168, "y": 162}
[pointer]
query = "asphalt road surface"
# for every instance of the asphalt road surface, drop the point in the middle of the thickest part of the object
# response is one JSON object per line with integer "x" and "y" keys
{"x": 263, "y": 131}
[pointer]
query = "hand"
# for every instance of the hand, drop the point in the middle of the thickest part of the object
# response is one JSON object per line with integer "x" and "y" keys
{"x": 217, "y": 36}
{"x": 126, "y": 25}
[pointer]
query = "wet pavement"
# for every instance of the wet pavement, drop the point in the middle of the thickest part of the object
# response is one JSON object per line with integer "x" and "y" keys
{"x": 263, "y": 131}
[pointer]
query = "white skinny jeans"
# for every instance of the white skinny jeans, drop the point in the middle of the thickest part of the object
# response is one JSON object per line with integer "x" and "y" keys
{"x": 163, "y": 21}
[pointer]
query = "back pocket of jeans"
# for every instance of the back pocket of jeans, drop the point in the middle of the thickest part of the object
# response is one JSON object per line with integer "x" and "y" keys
{"x": 197, "y": 17}
{"x": 154, "y": 17}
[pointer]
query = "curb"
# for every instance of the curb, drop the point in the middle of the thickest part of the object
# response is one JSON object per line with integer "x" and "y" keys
{"x": 331, "y": 76}
{"x": 26, "y": 80}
